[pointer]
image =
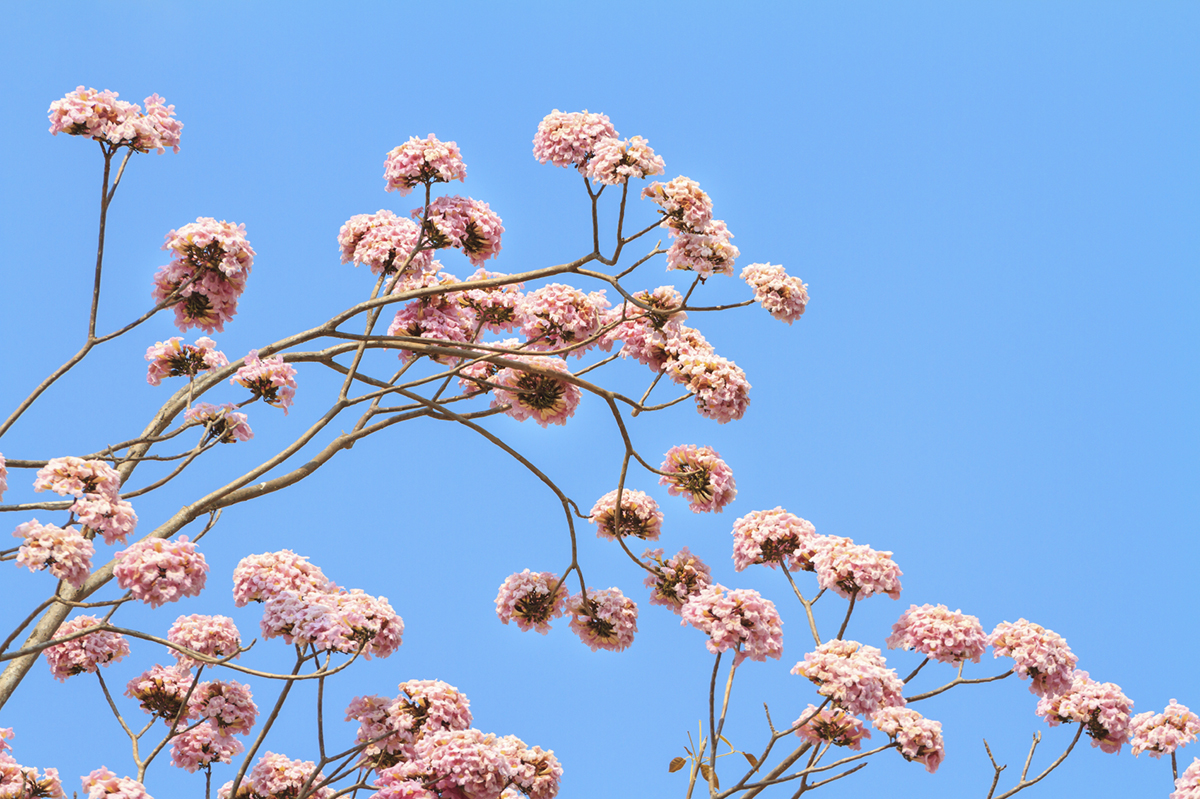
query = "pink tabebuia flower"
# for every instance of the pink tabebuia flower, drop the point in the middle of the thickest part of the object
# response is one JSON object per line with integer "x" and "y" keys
{"x": 225, "y": 703}
{"x": 103, "y": 784}
{"x": 771, "y": 537}
{"x": 203, "y": 745}
{"x": 75, "y": 477}
{"x": 3, "y": 476}
{"x": 917, "y": 737}
{"x": 718, "y": 384}
{"x": 526, "y": 599}
{"x": 855, "y": 677}
{"x": 937, "y": 632}
{"x": 215, "y": 636}
{"x": 536, "y": 772}
{"x": 1038, "y": 654}
{"x": 422, "y": 708}
{"x": 170, "y": 358}
{"x": 338, "y": 621}
{"x": 439, "y": 317}
{"x": 739, "y": 619}
{"x": 1162, "y": 733}
{"x": 384, "y": 242}
{"x": 533, "y": 395}
{"x": 833, "y": 725}
{"x": 101, "y": 116}
{"x": 86, "y": 652}
{"x": 615, "y": 161}
{"x": 269, "y": 378}
{"x": 64, "y": 551}
{"x": 158, "y": 571}
{"x": 685, "y": 207}
{"x": 606, "y": 619}
{"x": 569, "y": 139}
{"x": 258, "y": 578}
{"x": 1100, "y": 706}
{"x": 106, "y": 514}
{"x": 277, "y": 776}
{"x": 24, "y": 782}
{"x": 1188, "y": 784}
{"x": 855, "y": 569}
{"x": 423, "y": 161}
{"x": 465, "y": 224}
{"x": 161, "y": 691}
{"x": 223, "y": 422}
{"x": 706, "y": 252}
{"x": 677, "y": 579}
{"x": 701, "y": 475}
{"x": 780, "y": 294}
{"x": 558, "y": 316}
{"x": 640, "y": 516}
{"x": 210, "y": 262}
{"x": 496, "y": 307}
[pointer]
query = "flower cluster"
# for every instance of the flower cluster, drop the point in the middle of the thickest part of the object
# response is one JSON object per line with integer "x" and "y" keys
{"x": 1039, "y": 654}
{"x": 103, "y": 784}
{"x": 944, "y": 635}
{"x": 423, "y": 161}
{"x": 334, "y": 620}
{"x": 470, "y": 375}
{"x": 736, "y": 619}
{"x": 772, "y": 537}
{"x": 605, "y": 619}
{"x": 833, "y": 725}
{"x": 1162, "y": 733}
{"x": 1099, "y": 706}
{"x": 210, "y": 262}
{"x": 465, "y": 224}
{"x": 158, "y": 571}
{"x": 384, "y": 242}
{"x": 271, "y": 379}
{"x": 855, "y": 569}
{"x": 226, "y": 704}
{"x": 64, "y": 551}
{"x": 684, "y": 205}
{"x": 438, "y": 317}
{"x": 3, "y": 476}
{"x": 615, "y": 161}
{"x": 1188, "y": 784}
{"x": 558, "y": 315}
{"x": 171, "y": 359}
{"x": 701, "y": 475}
{"x": 780, "y": 294}
{"x": 203, "y": 745}
{"x": 494, "y": 307}
{"x": 214, "y": 636}
{"x": 222, "y": 422}
{"x": 473, "y": 765}
{"x": 854, "y": 676}
{"x": 96, "y": 486}
{"x": 394, "y": 725}
{"x": 161, "y": 692}
{"x": 707, "y": 252}
{"x": 20, "y": 782}
{"x": 101, "y": 116}
{"x": 640, "y": 516}
{"x": 526, "y": 599}
{"x": 544, "y": 398}
{"x": 677, "y": 579}
{"x": 918, "y": 738}
{"x": 257, "y": 578}
{"x": 276, "y": 777}
{"x": 719, "y": 385}
{"x": 642, "y": 332}
{"x": 570, "y": 139}
{"x": 85, "y": 653}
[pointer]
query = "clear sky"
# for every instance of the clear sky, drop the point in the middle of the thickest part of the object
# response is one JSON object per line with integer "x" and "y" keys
{"x": 994, "y": 206}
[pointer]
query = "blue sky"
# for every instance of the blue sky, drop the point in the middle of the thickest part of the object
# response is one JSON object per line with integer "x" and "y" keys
{"x": 993, "y": 205}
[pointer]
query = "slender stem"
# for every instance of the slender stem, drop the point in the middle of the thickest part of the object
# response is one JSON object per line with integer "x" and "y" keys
{"x": 262, "y": 736}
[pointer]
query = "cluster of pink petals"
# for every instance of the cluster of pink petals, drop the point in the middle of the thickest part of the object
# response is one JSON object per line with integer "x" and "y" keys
{"x": 1038, "y": 654}
{"x": 468, "y": 764}
{"x": 917, "y": 737}
{"x": 854, "y": 676}
{"x": 269, "y": 378}
{"x": 465, "y": 224}
{"x": 1162, "y": 733}
{"x": 76, "y": 477}
{"x": 107, "y": 514}
{"x": 203, "y": 745}
{"x": 558, "y": 315}
{"x": 222, "y": 422}
{"x": 1188, "y": 784}
{"x": 437, "y": 317}
{"x": 423, "y": 707}
{"x": 685, "y": 206}
{"x": 615, "y": 161}
{"x": 606, "y": 620}
{"x": 225, "y": 703}
{"x": 24, "y": 782}
{"x": 85, "y": 653}
{"x": 640, "y": 516}
{"x": 161, "y": 691}
{"x": 525, "y": 598}
{"x": 3, "y": 476}
{"x": 833, "y": 725}
{"x": 384, "y": 242}
{"x": 771, "y": 537}
{"x": 64, "y": 551}
{"x": 213, "y": 259}
{"x": 494, "y": 307}
{"x": 676, "y": 341}
{"x": 171, "y": 359}
{"x": 641, "y": 331}
{"x": 157, "y": 571}
{"x": 532, "y": 395}
{"x": 736, "y": 619}
{"x": 485, "y": 370}
{"x": 705, "y": 252}
{"x": 570, "y": 139}
{"x": 719, "y": 385}
{"x": 780, "y": 294}
{"x": 855, "y": 569}
{"x": 103, "y": 784}
{"x": 536, "y": 772}
{"x": 1099, "y": 706}
{"x": 101, "y": 116}
{"x": 337, "y": 621}
{"x": 277, "y": 777}
{"x": 701, "y": 475}
{"x": 940, "y": 633}
{"x": 423, "y": 161}
{"x": 214, "y": 636}
{"x": 258, "y": 578}
{"x": 676, "y": 579}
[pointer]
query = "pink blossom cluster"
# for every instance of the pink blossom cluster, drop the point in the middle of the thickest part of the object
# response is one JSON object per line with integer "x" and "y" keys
{"x": 494, "y": 307}
{"x": 570, "y": 139}
{"x": 701, "y": 475}
{"x": 1099, "y": 706}
{"x": 390, "y": 727}
{"x": 210, "y": 262}
{"x": 202, "y": 745}
{"x": 101, "y": 116}
{"x": 917, "y": 737}
{"x": 85, "y": 653}
{"x": 937, "y": 632}
{"x": 475, "y": 371}
{"x": 161, "y": 691}
{"x": 771, "y": 537}
{"x": 780, "y": 294}
{"x": 441, "y": 318}
{"x": 277, "y": 777}
{"x": 1188, "y": 784}
{"x": 171, "y": 359}
{"x": 1162, "y": 733}
{"x": 718, "y": 384}
{"x": 257, "y": 578}
{"x": 676, "y": 579}
{"x": 606, "y": 619}
{"x": 158, "y": 571}
{"x": 464, "y": 224}
{"x": 557, "y": 316}
{"x": 615, "y": 161}
{"x": 686, "y": 208}
{"x": 214, "y": 636}
{"x": 674, "y": 342}
{"x": 525, "y": 598}
{"x": 221, "y": 422}
{"x": 64, "y": 551}
{"x": 739, "y": 619}
{"x": 640, "y": 516}
{"x": 269, "y": 378}
{"x": 1038, "y": 654}
{"x": 385, "y": 243}
{"x": 3, "y": 475}
{"x": 855, "y": 569}
{"x": 24, "y": 782}
{"x": 707, "y": 252}
{"x": 833, "y": 725}
{"x": 641, "y": 330}
{"x": 103, "y": 784}
{"x": 533, "y": 395}
{"x": 423, "y": 161}
{"x": 336, "y": 621}
{"x": 854, "y": 676}
{"x": 96, "y": 485}
{"x": 225, "y": 703}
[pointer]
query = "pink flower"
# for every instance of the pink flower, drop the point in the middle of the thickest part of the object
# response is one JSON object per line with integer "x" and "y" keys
{"x": 771, "y": 537}
{"x": 526, "y": 599}
{"x": 103, "y": 784}
{"x": 535, "y": 772}
{"x": 719, "y": 385}
{"x": 643, "y": 332}
{"x": 781, "y": 295}
{"x": 495, "y": 307}
{"x": 107, "y": 515}
{"x": 640, "y": 516}
{"x": 615, "y": 161}
{"x": 171, "y": 359}
{"x": 65, "y": 552}
{"x": 423, "y": 707}
{"x": 701, "y": 475}
{"x": 258, "y": 578}
{"x": 739, "y": 619}
{"x": 569, "y": 139}
{"x": 945, "y": 636}
{"x": 202, "y": 746}
{"x": 338, "y": 621}
{"x": 1038, "y": 654}
{"x": 469, "y": 375}
{"x": 917, "y": 737}
{"x": 210, "y": 262}
{"x": 465, "y": 224}
{"x": 86, "y": 652}
{"x": 101, "y": 116}
{"x": 271, "y": 379}
{"x": 225, "y": 703}
{"x": 544, "y": 398}
{"x": 853, "y": 676}
{"x": 706, "y": 252}
{"x": 158, "y": 571}
{"x": 1162, "y": 733}
{"x": 455, "y": 763}
{"x": 221, "y": 422}
{"x": 855, "y": 569}
{"x": 384, "y": 242}
{"x": 676, "y": 579}
{"x": 3, "y": 476}
{"x": 685, "y": 207}
{"x": 76, "y": 477}
{"x": 422, "y": 161}
{"x": 1188, "y": 784}
{"x": 161, "y": 691}
{"x": 1099, "y": 706}
{"x": 833, "y": 725}
{"x": 24, "y": 782}
{"x": 606, "y": 619}
{"x": 278, "y": 776}
{"x": 215, "y": 636}
{"x": 441, "y": 318}
{"x": 558, "y": 316}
